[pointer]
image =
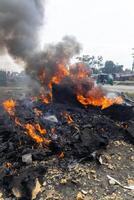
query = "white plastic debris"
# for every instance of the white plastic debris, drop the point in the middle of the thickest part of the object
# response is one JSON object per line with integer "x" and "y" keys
{"x": 100, "y": 160}
{"x": 131, "y": 187}
{"x": 51, "y": 118}
{"x": 27, "y": 158}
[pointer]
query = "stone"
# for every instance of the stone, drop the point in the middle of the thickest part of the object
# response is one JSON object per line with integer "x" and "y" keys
{"x": 1, "y": 194}
{"x": 36, "y": 189}
{"x": 79, "y": 196}
{"x": 84, "y": 192}
{"x": 16, "y": 192}
{"x": 63, "y": 181}
{"x": 112, "y": 182}
{"x": 27, "y": 158}
{"x": 45, "y": 183}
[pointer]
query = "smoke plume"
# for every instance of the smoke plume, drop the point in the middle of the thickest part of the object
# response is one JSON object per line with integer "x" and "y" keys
{"x": 19, "y": 25}
{"x": 53, "y": 55}
{"x": 20, "y": 21}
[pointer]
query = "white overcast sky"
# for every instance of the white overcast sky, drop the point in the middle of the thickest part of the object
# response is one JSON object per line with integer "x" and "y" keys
{"x": 103, "y": 27}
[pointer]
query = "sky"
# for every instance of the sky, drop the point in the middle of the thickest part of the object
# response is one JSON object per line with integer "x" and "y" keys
{"x": 103, "y": 27}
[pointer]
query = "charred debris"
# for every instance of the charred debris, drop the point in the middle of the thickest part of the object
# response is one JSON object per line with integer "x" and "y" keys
{"x": 32, "y": 132}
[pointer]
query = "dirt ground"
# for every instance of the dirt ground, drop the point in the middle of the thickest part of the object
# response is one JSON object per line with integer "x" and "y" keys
{"x": 88, "y": 180}
{"x": 120, "y": 88}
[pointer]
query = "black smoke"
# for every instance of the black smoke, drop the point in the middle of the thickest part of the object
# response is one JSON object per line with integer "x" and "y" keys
{"x": 52, "y": 56}
{"x": 20, "y": 21}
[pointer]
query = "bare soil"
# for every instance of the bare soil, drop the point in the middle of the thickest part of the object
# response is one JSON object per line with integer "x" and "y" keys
{"x": 90, "y": 179}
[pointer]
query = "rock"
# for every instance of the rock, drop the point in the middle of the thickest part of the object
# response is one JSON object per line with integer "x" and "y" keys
{"x": 130, "y": 182}
{"x": 84, "y": 192}
{"x": 112, "y": 182}
{"x": 63, "y": 181}
{"x": 110, "y": 166}
{"x": 16, "y": 192}
{"x": 1, "y": 194}
{"x": 90, "y": 191}
{"x": 93, "y": 172}
{"x": 132, "y": 158}
{"x": 27, "y": 158}
{"x": 79, "y": 196}
{"x": 45, "y": 183}
{"x": 52, "y": 194}
{"x": 36, "y": 189}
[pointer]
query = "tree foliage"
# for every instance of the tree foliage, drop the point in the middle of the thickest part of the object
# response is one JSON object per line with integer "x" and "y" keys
{"x": 91, "y": 61}
{"x": 110, "y": 67}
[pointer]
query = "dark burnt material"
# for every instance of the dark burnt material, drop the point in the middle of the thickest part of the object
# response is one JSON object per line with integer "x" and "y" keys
{"x": 120, "y": 112}
{"x": 64, "y": 93}
{"x": 91, "y": 130}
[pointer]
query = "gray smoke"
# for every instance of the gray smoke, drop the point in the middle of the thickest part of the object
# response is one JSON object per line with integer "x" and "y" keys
{"x": 52, "y": 56}
{"x": 20, "y": 21}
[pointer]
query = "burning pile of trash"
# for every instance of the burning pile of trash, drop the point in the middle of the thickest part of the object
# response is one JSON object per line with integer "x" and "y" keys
{"x": 72, "y": 119}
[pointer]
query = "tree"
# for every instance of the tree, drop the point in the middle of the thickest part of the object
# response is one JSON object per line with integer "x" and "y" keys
{"x": 92, "y": 61}
{"x": 111, "y": 68}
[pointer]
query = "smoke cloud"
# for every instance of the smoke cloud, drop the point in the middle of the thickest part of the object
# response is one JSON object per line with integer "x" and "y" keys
{"x": 52, "y": 56}
{"x": 19, "y": 25}
{"x": 20, "y": 22}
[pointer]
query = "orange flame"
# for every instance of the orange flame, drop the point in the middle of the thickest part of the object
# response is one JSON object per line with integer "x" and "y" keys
{"x": 61, "y": 73}
{"x": 31, "y": 130}
{"x": 68, "y": 117}
{"x": 61, "y": 155}
{"x": 46, "y": 98}
{"x": 79, "y": 71}
{"x": 103, "y": 102}
{"x": 32, "y": 133}
{"x": 18, "y": 123}
{"x": 86, "y": 92}
{"x": 38, "y": 128}
{"x": 9, "y": 106}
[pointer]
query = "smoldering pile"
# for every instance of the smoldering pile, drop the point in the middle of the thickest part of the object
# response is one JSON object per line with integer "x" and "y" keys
{"x": 68, "y": 126}
{"x": 73, "y": 132}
